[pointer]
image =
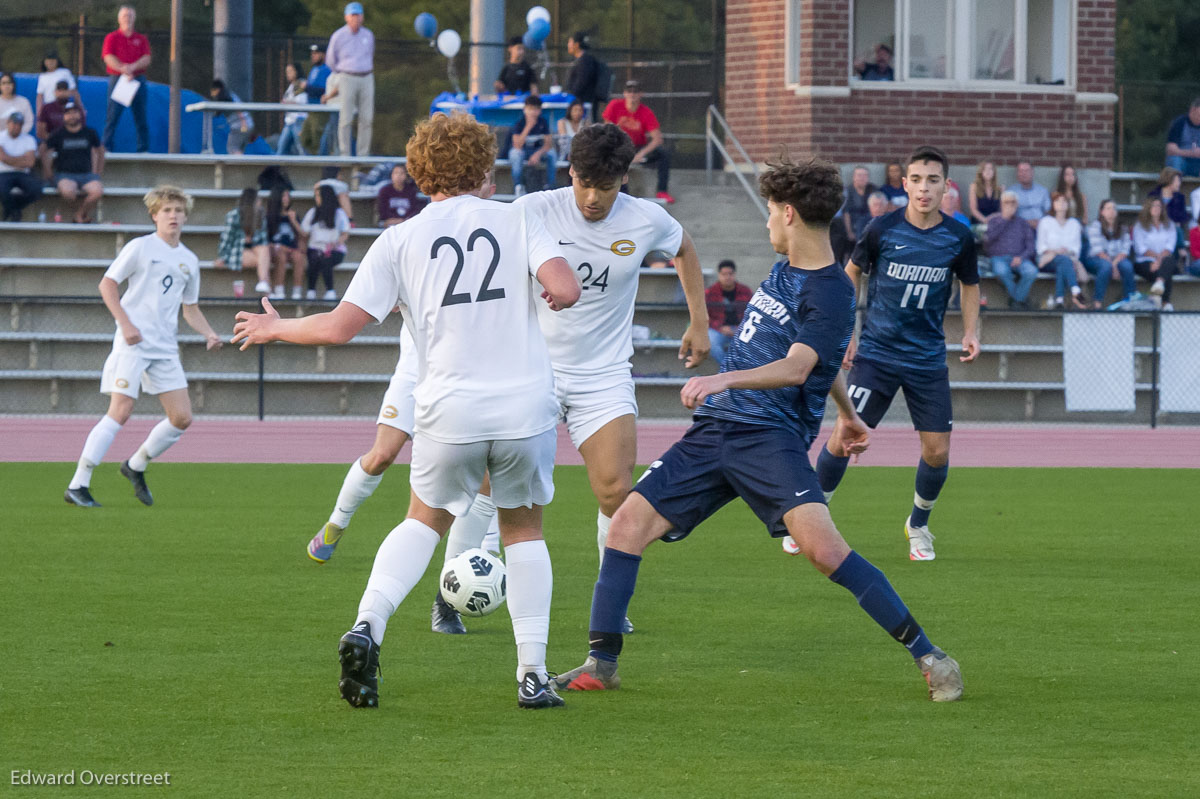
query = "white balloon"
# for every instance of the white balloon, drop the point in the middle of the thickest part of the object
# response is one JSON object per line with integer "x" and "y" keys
{"x": 537, "y": 12}
{"x": 448, "y": 43}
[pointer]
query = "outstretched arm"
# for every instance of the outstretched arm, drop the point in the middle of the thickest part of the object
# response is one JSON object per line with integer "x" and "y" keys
{"x": 791, "y": 370}
{"x": 333, "y": 327}
{"x": 695, "y": 344}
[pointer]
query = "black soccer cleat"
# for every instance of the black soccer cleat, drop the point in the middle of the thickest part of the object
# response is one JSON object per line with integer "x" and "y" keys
{"x": 445, "y": 619}
{"x": 81, "y": 497}
{"x": 535, "y": 693}
{"x": 359, "y": 656}
{"x": 138, "y": 479}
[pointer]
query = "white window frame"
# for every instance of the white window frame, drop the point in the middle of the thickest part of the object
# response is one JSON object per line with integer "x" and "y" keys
{"x": 960, "y": 56}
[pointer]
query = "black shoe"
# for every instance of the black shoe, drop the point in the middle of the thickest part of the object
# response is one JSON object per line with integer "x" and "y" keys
{"x": 81, "y": 497}
{"x": 445, "y": 619}
{"x": 359, "y": 656}
{"x": 139, "y": 483}
{"x": 534, "y": 694}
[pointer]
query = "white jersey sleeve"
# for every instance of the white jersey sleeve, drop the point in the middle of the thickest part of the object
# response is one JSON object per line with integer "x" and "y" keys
{"x": 126, "y": 261}
{"x": 537, "y": 239}
{"x": 376, "y": 284}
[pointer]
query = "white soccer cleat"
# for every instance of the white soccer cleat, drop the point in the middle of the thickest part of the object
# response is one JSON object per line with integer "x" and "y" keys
{"x": 920, "y": 542}
{"x": 942, "y": 675}
{"x": 789, "y": 545}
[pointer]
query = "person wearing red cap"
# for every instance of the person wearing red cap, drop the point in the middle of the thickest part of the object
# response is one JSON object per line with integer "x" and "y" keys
{"x": 639, "y": 122}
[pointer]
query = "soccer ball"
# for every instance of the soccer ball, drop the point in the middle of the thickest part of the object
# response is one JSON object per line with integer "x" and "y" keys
{"x": 475, "y": 583}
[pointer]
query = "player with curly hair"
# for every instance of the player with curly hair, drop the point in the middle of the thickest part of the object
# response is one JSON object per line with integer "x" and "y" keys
{"x": 484, "y": 397}
{"x": 755, "y": 422}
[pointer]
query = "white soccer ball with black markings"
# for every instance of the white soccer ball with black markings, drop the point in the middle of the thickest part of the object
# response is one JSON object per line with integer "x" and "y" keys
{"x": 475, "y": 583}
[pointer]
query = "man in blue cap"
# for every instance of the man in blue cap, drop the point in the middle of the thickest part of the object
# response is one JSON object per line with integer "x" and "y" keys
{"x": 351, "y": 56}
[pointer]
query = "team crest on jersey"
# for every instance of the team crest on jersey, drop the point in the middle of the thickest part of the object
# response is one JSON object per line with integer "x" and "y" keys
{"x": 184, "y": 268}
{"x": 390, "y": 412}
{"x": 623, "y": 247}
{"x": 122, "y": 383}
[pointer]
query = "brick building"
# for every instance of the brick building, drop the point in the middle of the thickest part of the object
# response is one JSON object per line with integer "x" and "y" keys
{"x": 983, "y": 79}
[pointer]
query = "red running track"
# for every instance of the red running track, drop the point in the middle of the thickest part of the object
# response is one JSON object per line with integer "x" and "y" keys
{"x": 222, "y": 440}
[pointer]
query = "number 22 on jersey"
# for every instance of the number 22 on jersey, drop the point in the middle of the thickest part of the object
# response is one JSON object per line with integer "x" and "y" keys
{"x": 486, "y": 292}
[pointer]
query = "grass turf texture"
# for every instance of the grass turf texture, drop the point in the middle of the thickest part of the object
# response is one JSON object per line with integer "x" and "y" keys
{"x": 1068, "y": 596}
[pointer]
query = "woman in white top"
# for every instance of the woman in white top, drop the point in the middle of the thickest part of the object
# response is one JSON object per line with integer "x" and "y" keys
{"x": 1059, "y": 240}
{"x": 1154, "y": 243}
{"x": 293, "y": 121}
{"x": 568, "y": 126}
{"x": 326, "y": 229}
{"x": 10, "y": 101}
{"x": 52, "y": 72}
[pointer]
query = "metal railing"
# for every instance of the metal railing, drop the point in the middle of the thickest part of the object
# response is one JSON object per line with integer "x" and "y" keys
{"x": 715, "y": 141}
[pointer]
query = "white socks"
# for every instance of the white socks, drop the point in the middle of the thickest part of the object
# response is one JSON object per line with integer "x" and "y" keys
{"x": 530, "y": 585}
{"x": 491, "y": 541}
{"x": 401, "y": 561}
{"x": 357, "y": 486}
{"x": 97, "y": 444}
{"x": 468, "y": 531}
{"x": 159, "y": 441}
{"x": 602, "y": 524}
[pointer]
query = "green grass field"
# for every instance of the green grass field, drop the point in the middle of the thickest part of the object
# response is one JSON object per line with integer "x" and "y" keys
{"x": 1068, "y": 596}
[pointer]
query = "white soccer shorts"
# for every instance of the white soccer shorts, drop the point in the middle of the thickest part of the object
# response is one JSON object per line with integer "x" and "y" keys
{"x": 448, "y": 476}
{"x": 588, "y": 403}
{"x": 126, "y": 369}
{"x": 399, "y": 407}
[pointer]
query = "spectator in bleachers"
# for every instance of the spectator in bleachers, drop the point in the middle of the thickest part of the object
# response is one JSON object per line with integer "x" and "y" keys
{"x": 50, "y": 116}
{"x": 341, "y": 190}
{"x": 241, "y": 124}
{"x": 880, "y": 68}
{"x": 1012, "y": 248}
{"x": 11, "y": 102}
{"x": 1170, "y": 191}
{"x": 1033, "y": 201}
{"x": 351, "y": 56}
{"x": 18, "y": 186}
{"x": 1194, "y": 249}
{"x": 326, "y": 229}
{"x": 1059, "y": 242}
{"x": 1068, "y": 186}
{"x": 283, "y": 233}
{"x": 635, "y": 118}
{"x": 1155, "y": 242}
{"x": 293, "y": 121}
{"x": 399, "y": 200}
{"x": 127, "y": 53}
{"x": 53, "y": 73}
{"x": 877, "y": 204}
{"x": 530, "y": 144}
{"x": 333, "y": 97}
{"x": 571, "y": 123}
{"x": 315, "y": 87}
{"x": 726, "y": 300}
{"x": 983, "y": 195}
{"x": 855, "y": 211}
{"x": 1194, "y": 204}
{"x": 73, "y": 159}
{"x": 952, "y": 206}
{"x": 585, "y": 72}
{"x": 893, "y": 187}
{"x": 1183, "y": 142}
{"x": 244, "y": 241}
{"x": 517, "y": 76}
{"x": 1109, "y": 245}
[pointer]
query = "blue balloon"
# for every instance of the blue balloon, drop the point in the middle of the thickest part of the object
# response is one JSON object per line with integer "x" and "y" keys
{"x": 540, "y": 29}
{"x": 426, "y": 25}
{"x": 530, "y": 42}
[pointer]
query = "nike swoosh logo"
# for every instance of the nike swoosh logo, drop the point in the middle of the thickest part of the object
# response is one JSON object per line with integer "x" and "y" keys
{"x": 565, "y": 243}
{"x": 595, "y": 640}
{"x": 802, "y": 493}
{"x": 901, "y": 246}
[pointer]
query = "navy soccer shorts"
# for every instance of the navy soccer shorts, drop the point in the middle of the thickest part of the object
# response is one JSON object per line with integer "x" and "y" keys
{"x": 872, "y": 386}
{"x": 716, "y": 461}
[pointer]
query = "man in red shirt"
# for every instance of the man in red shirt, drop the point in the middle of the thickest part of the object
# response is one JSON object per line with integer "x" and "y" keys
{"x": 726, "y": 300}
{"x": 642, "y": 126}
{"x": 127, "y": 52}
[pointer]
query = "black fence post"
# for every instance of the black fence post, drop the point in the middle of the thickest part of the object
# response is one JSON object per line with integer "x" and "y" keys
{"x": 262, "y": 362}
{"x": 1154, "y": 319}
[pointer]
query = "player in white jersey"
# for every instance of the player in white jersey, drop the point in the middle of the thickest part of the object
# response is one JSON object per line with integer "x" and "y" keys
{"x": 605, "y": 235}
{"x": 163, "y": 275}
{"x": 484, "y": 401}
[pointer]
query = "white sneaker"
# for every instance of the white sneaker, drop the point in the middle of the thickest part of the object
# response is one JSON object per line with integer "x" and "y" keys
{"x": 329, "y": 296}
{"x": 297, "y": 293}
{"x": 1158, "y": 287}
{"x": 277, "y": 293}
{"x": 789, "y": 545}
{"x": 920, "y": 542}
{"x": 1168, "y": 307}
{"x": 311, "y": 294}
{"x": 518, "y": 190}
{"x": 262, "y": 287}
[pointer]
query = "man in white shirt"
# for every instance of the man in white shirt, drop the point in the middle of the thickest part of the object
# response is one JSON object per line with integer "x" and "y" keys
{"x": 484, "y": 400}
{"x": 18, "y": 152}
{"x": 163, "y": 275}
{"x": 605, "y": 234}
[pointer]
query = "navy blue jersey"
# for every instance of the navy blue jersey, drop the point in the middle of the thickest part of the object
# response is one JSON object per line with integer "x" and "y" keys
{"x": 910, "y": 276}
{"x": 814, "y": 307}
